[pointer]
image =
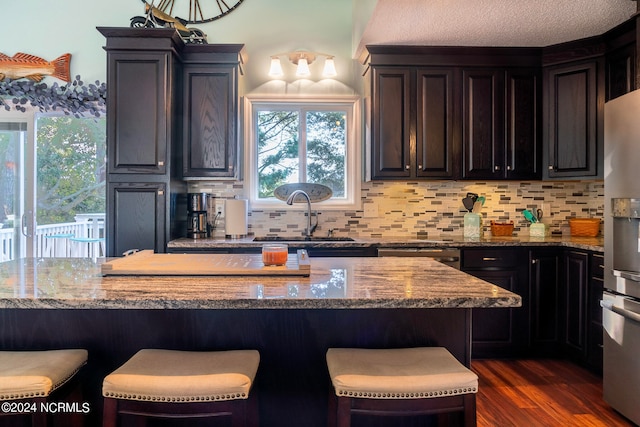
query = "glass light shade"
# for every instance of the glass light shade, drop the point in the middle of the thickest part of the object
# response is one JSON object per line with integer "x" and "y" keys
{"x": 276, "y": 68}
{"x": 303, "y": 68}
{"x": 329, "y": 68}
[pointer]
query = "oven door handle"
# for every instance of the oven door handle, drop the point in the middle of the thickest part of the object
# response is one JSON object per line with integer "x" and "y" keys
{"x": 627, "y": 314}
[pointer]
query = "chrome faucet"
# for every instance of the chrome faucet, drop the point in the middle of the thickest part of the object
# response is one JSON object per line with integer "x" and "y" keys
{"x": 310, "y": 228}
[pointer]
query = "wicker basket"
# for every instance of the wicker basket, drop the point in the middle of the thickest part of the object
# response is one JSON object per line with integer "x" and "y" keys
{"x": 584, "y": 227}
{"x": 501, "y": 229}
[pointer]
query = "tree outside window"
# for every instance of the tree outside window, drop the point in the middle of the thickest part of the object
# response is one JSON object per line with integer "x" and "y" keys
{"x": 301, "y": 144}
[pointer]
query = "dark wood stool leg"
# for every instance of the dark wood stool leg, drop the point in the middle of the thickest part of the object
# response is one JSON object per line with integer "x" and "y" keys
{"x": 332, "y": 409}
{"x": 344, "y": 411}
{"x": 110, "y": 412}
{"x": 470, "y": 410}
{"x": 253, "y": 410}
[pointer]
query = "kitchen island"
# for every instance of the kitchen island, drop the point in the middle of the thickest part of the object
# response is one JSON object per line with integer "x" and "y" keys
{"x": 360, "y": 302}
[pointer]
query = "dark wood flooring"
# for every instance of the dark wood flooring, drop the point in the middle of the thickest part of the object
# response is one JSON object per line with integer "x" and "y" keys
{"x": 542, "y": 393}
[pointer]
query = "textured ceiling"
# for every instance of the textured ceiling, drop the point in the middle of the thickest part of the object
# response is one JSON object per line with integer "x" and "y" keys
{"x": 534, "y": 23}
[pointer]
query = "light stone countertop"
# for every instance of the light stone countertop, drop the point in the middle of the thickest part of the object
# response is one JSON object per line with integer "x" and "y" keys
{"x": 334, "y": 283}
{"x": 595, "y": 244}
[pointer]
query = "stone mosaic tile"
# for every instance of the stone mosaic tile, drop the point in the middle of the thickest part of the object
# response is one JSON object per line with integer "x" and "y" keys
{"x": 407, "y": 208}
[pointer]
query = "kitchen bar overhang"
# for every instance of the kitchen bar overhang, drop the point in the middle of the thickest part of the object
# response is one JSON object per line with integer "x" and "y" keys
{"x": 291, "y": 321}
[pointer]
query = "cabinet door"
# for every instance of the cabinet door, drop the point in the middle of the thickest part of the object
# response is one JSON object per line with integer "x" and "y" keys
{"x": 594, "y": 313}
{"x": 576, "y": 282}
{"x": 139, "y": 96}
{"x": 391, "y": 119}
{"x": 210, "y": 116}
{"x": 544, "y": 280}
{"x": 621, "y": 71}
{"x": 137, "y": 213}
{"x": 483, "y": 123}
{"x": 573, "y": 120}
{"x": 500, "y": 332}
{"x": 435, "y": 154}
{"x": 523, "y": 114}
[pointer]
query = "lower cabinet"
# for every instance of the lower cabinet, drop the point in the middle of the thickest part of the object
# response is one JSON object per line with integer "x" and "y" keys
{"x": 499, "y": 332}
{"x": 576, "y": 285}
{"x": 139, "y": 217}
{"x": 545, "y": 280}
{"x": 594, "y": 312}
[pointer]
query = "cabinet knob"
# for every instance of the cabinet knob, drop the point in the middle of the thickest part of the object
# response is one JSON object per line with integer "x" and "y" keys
{"x": 533, "y": 261}
{"x": 496, "y": 167}
{"x": 508, "y": 168}
{"x": 550, "y": 167}
{"x": 407, "y": 167}
{"x": 419, "y": 166}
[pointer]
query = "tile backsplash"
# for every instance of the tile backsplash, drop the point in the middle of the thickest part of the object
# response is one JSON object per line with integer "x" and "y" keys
{"x": 404, "y": 209}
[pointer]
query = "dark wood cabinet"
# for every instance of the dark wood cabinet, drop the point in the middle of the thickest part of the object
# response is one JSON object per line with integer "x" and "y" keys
{"x": 210, "y": 111}
{"x": 391, "y": 123}
{"x": 594, "y": 351}
{"x": 483, "y": 123}
{"x": 621, "y": 59}
{"x": 140, "y": 93}
{"x": 499, "y": 332}
{"x": 436, "y": 155}
{"x": 574, "y": 113}
{"x": 545, "y": 280}
{"x": 576, "y": 281}
{"x": 523, "y": 113}
{"x": 140, "y": 212}
{"x": 143, "y": 195}
{"x": 501, "y": 138}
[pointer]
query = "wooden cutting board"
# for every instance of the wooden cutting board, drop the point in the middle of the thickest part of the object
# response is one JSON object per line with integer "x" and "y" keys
{"x": 148, "y": 263}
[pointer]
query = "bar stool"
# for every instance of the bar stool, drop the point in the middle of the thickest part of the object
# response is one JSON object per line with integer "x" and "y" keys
{"x": 94, "y": 247}
{"x": 58, "y": 246}
{"x": 399, "y": 382}
{"x": 33, "y": 378}
{"x": 183, "y": 384}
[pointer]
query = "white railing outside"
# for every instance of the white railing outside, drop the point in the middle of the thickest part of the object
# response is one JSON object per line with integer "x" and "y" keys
{"x": 83, "y": 238}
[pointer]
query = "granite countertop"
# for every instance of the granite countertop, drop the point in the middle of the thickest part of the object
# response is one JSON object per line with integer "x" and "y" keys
{"x": 595, "y": 244}
{"x": 335, "y": 283}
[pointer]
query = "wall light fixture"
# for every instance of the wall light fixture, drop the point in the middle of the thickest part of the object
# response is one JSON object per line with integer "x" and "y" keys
{"x": 302, "y": 59}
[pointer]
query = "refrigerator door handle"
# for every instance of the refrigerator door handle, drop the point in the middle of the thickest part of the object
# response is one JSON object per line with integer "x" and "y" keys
{"x": 627, "y": 275}
{"x": 627, "y": 314}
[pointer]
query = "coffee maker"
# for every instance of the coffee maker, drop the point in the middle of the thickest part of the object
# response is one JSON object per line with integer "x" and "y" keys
{"x": 197, "y": 215}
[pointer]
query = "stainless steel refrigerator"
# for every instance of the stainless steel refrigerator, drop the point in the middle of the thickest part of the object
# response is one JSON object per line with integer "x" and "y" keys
{"x": 621, "y": 301}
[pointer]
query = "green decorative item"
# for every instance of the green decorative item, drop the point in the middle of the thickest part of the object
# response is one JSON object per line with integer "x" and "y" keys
{"x": 74, "y": 98}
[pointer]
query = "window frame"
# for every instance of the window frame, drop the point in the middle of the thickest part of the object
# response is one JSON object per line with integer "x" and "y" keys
{"x": 351, "y": 105}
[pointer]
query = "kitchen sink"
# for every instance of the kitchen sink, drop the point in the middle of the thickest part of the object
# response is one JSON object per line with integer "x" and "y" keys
{"x": 301, "y": 239}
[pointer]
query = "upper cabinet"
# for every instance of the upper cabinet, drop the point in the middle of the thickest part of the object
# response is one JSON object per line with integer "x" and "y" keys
{"x": 210, "y": 111}
{"x": 412, "y": 123}
{"x": 450, "y": 113}
{"x": 501, "y": 127}
{"x": 574, "y": 110}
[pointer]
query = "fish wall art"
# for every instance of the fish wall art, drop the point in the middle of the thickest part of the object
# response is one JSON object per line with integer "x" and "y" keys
{"x": 23, "y": 65}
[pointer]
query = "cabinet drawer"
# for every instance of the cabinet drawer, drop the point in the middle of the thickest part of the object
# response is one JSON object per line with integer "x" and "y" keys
{"x": 597, "y": 265}
{"x": 490, "y": 258}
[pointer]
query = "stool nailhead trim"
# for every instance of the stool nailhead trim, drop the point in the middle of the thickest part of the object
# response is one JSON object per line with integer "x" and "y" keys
{"x": 40, "y": 394}
{"x": 147, "y": 398}
{"x": 416, "y": 395}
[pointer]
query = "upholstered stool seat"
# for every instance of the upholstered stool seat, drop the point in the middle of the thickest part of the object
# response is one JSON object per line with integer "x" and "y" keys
{"x": 182, "y": 384}
{"x": 32, "y": 376}
{"x": 406, "y": 381}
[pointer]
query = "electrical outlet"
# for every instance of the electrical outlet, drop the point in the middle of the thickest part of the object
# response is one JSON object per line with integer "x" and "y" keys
{"x": 546, "y": 210}
{"x": 220, "y": 207}
{"x": 370, "y": 210}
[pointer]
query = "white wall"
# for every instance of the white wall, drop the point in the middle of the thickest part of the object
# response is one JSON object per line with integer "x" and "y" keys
{"x": 49, "y": 28}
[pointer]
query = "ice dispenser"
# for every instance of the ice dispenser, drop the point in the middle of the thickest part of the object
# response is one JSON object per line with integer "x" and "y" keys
{"x": 626, "y": 234}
